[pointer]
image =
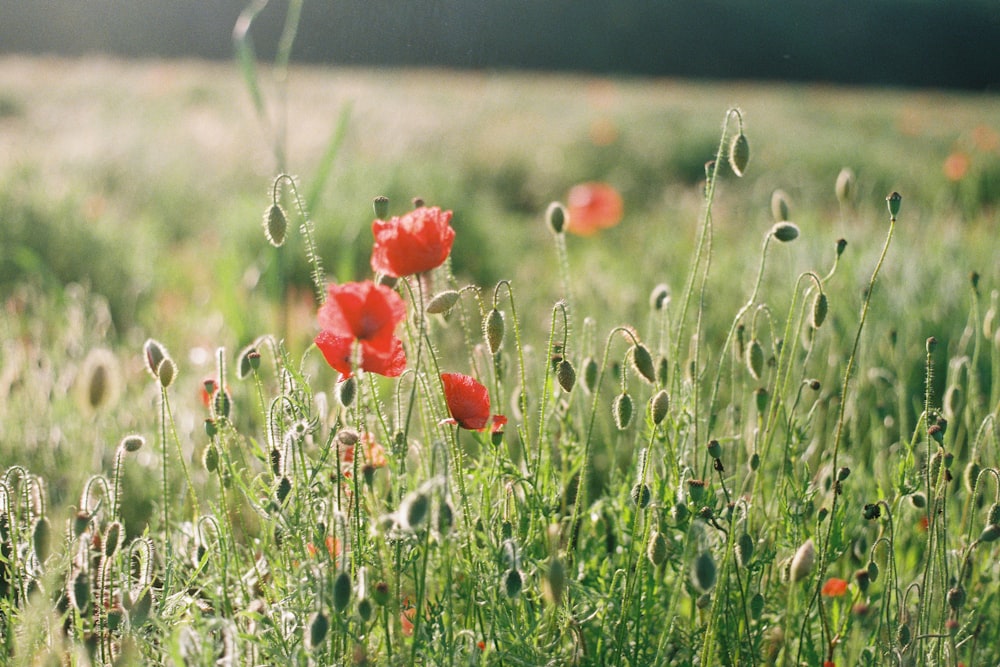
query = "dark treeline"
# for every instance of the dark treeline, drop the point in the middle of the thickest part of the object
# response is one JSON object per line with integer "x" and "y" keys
{"x": 935, "y": 43}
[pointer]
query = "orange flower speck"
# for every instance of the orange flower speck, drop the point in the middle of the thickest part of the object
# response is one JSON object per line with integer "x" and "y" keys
{"x": 834, "y": 587}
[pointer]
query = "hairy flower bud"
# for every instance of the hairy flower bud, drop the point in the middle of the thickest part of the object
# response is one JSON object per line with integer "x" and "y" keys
{"x": 739, "y": 154}
{"x": 493, "y": 329}
{"x": 442, "y": 302}
{"x": 275, "y": 225}
{"x": 779, "y": 205}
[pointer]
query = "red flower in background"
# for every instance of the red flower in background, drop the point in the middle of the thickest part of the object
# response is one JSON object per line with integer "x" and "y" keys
{"x": 592, "y": 207}
{"x": 834, "y": 587}
{"x": 416, "y": 242}
{"x": 368, "y": 314}
{"x": 468, "y": 402}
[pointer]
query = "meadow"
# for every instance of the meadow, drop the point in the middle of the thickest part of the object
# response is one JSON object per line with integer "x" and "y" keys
{"x": 752, "y": 423}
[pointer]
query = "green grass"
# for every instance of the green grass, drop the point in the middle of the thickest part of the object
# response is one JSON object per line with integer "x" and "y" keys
{"x": 150, "y": 193}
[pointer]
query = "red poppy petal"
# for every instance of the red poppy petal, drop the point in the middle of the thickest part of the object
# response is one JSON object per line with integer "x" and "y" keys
{"x": 336, "y": 350}
{"x": 390, "y": 362}
{"x": 468, "y": 400}
{"x": 416, "y": 242}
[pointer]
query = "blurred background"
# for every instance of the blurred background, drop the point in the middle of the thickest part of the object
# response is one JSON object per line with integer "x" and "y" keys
{"x": 949, "y": 44}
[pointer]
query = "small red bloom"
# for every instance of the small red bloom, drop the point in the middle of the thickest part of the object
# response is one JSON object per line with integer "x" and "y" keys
{"x": 468, "y": 402}
{"x": 416, "y": 242}
{"x": 829, "y": 663}
{"x": 592, "y": 207}
{"x": 366, "y": 313}
{"x": 834, "y": 587}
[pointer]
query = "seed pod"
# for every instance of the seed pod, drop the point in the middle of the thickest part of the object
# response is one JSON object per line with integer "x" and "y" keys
{"x": 739, "y": 154}
{"x": 513, "y": 581}
{"x": 744, "y": 549}
{"x": 275, "y": 225}
{"x": 656, "y": 552}
{"x": 590, "y": 373}
{"x": 697, "y": 489}
{"x": 802, "y": 562}
{"x": 622, "y": 410}
{"x": 642, "y": 360}
{"x": 341, "y": 591}
{"x": 659, "y": 406}
{"x": 820, "y": 308}
{"x": 785, "y": 231}
{"x": 894, "y": 201}
{"x": 318, "y": 627}
{"x": 493, "y": 329}
{"x": 844, "y": 187}
{"x": 779, "y": 205}
{"x": 704, "y": 572}
{"x": 381, "y": 206}
{"x": 566, "y": 375}
{"x": 556, "y": 217}
{"x": 755, "y": 359}
{"x": 714, "y": 449}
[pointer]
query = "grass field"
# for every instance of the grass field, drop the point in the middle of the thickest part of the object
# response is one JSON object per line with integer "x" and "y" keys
{"x": 772, "y": 487}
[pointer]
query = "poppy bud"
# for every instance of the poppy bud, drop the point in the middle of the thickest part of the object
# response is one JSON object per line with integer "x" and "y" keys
{"x": 739, "y": 154}
{"x": 990, "y": 533}
{"x": 210, "y": 459}
{"x": 802, "y": 562}
{"x": 820, "y": 308}
{"x": 640, "y": 495}
{"x": 760, "y": 398}
{"x": 166, "y": 372}
{"x": 659, "y": 298}
{"x": 381, "y": 206}
{"x": 662, "y": 368}
{"x": 893, "y": 201}
{"x": 971, "y": 475}
{"x": 41, "y": 539}
{"x": 365, "y": 609}
{"x": 132, "y": 443}
{"x": 704, "y": 571}
{"x": 318, "y": 627}
{"x": 249, "y": 361}
{"x": 380, "y": 593}
{"x": 341, "y": 591}
{"x": 659, "y": 406}
{"x": 844, "y": 187}
{"x": 566, "y": 375}
{"x": 779, "y": 205}
{"x": 642, "y": 360}
{"x": 755, "y": 359}
{"x": 154, "y": 353}
{"x": 756, "y": 606}
{"x": 112, "y": 538}
{"x": 841, "y": 246}
{"x": 442, "y": 302}
{"x": 785, "y": 231}
{"x": 555, "y": 217}
{"x": 555, "y": 581}
{"x": 347, "y": 390}
{"x": 872, "y": 571}
{"x": 956, "y": 597}
{"x": 80, "y": 523}
{"x": 493, "y": 328}
{"x": 284, "y": 488}
{"x": 416, "y": 509}
{"x": 622, "y": 410}
{"x": 862, "y": 579}
{"x": 918, "y": 500}
{"x": 512, "y": 583}
{"x": 275, "y": 225}
{"x": 994, "y": 514}
{"x": 79, "y": 591}
{"x": 714, "y": 449}
{"x": 903, "y": 634}
{"x": 446, "y": 517}
{"x": 221, "y": 403}
{"x": 744, "y": 550}
{"x": 657, "y": 550}
{"x": 590, "y": 373}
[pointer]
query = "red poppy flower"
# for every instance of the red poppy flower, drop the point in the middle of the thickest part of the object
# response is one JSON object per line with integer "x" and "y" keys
{"x": 592, "y": 207}
{"x": 469, "y": 403}
{"x": 834, "y": 587}
{"x": 366, "y": 313}
{"x": 416, "y": 242}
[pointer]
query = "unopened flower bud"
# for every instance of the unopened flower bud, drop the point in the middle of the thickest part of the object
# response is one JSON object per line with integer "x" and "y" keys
{"x": 154, "y": 354}
{"x": 802, "y": 562}
{"x": 785, "y": 231}
{"x": 166, "y": 372}
{"x": 341, "y": 591}
{"x": 820, "y": 308}
{"x": 381, "y": 206}
{"x": 779, "y": 205}
{"x": 704, "y": 571}
{"x": 656, "y": 552}
{"x": 744, "y": 550}
{"x": 275, "y": 225}
{"x": 442, "y": 302}
{"x": 132, "y": 443}
{"x": 659, "y": 298}
{"x": 513, "y": 581}
{"x": 640, "y": 495}
{"x": 894, "y": 200}
{"x": 493, "y": 329}
{"x": 739, "y": 154}
{"x": 590, "y": 373}
{"x": 844, "y": 187}
{"x": 755, "y": 359}
{"x": 642, "y": 360}
{"x": 347, "y": 391}
{"x": 318, "y": 627}
{"x": 622, "y": 410}
{"x": 566, "y": 375}
{"x": 659, "y": 406}
{"x": 556, "y": 217}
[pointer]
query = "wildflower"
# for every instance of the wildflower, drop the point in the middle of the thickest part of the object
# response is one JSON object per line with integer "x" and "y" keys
{"x": 834, "y": 587}
{"x": 592, "y": 207}
{"x": 468, "y": 403}
{"x": 366, "y": 313}
{"x": 374, "y": 453}
{"x": 416, "y": 242}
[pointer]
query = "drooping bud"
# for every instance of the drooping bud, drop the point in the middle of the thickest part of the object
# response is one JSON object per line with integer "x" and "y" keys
{"x": 566, "y": 375}
{"x": 275, "y": 225}
{"x": 132, "y": 443}
{"x": 166, "y": 372}
{"x": 248, "y": 362}
{"x": 318, "y": 627}
{"x": 442, "y": 302}
{"x": 785, "y": 231}
{"x": 113, "y": 538}
{"x": 79, "y": 591}
{"x": 820, "y": 308}
{"x": 154, "y": 354}
{"x": 659, "y": 298}
{"x": 657, "y": 550}
{"x": 659, "y": 406}
{"x": 347, "y": 390}
{"x": 744, "y": 550}
{"x": 590, "y": 373}
{"x": 779, "y": 205}
{"x": 555, "y": 581}
{"x": 755, "y": 359}
{"x": 556, "y": 217}
{"x": 493, "y": 329}
{"x": 622, "y": 410}
{"x": 513, "y": 581}
{"x": 642, "y": 360}
{"x": 210, "y": 458}
{"x": 341, "y": 591}
{"x": 704, "y": 571}
{"x": 41, "y": 539}
{"x": 640, "y": 495}
{"x": 844, "y": 187}
{"x": 802, "y": 562}
{"x": 739, "y": 154}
